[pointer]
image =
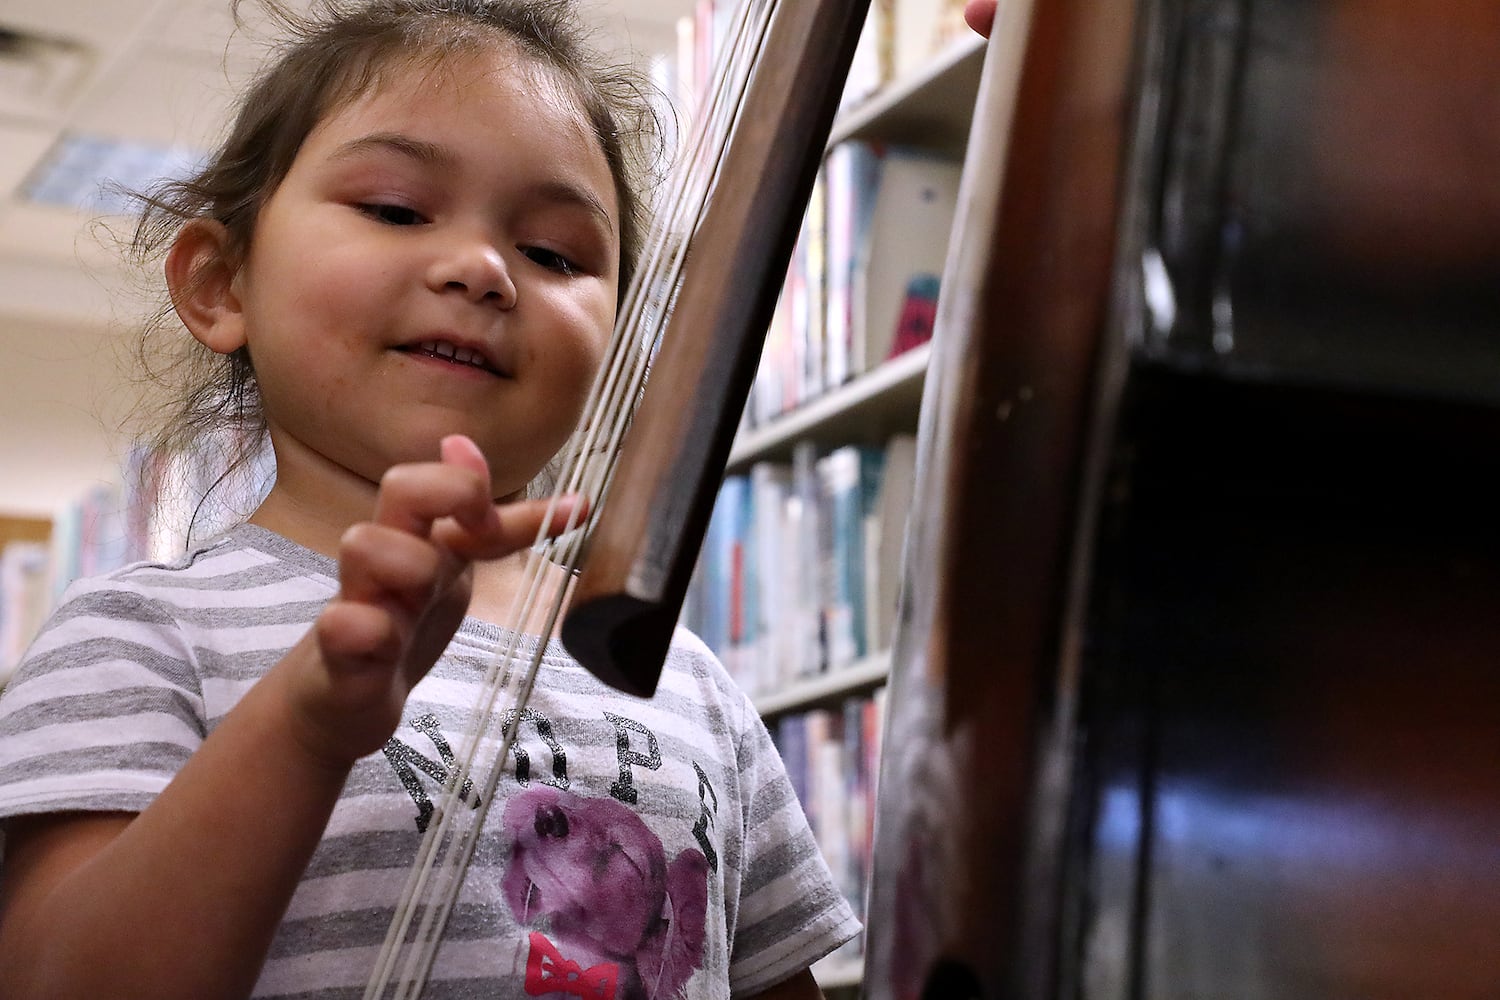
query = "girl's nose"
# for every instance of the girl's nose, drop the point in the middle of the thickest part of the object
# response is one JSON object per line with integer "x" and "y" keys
{"x": 476, "y": 270}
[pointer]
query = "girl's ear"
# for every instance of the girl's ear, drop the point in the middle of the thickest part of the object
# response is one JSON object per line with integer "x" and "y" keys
{"x": 201, "y": 282}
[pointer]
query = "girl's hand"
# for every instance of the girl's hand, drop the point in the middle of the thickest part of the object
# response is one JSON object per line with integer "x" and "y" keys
{"x": 404, "y": 585}
{"x": 980, "y": 15}
{"x": 183, "y": 899}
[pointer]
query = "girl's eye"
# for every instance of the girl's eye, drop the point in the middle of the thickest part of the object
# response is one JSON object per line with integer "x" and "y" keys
{"x": 550, "y": 259}
{"x": 394, "y": 215}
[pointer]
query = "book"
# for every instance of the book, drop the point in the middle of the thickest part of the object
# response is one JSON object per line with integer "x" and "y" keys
{"x": 852, "y": 170}
{"x": 815, "y": 370}
{"x": 904, "y": 249}
{"x": 716, "y": 620}
{"x": 806, "y": 518}
{"x": 850, "y": 482}
{"x": 918, "y": 314}
{"x": 829, "y": 813}
{"x": 770, "y": 488}
{"x": 791, "y": 741}
{"x": 860, "y": 804}
{"x": 874, "y": 56}
{"x": 838, "y": 474}
{"x": 914, "y": 33}
{"x": 771, "y": 394}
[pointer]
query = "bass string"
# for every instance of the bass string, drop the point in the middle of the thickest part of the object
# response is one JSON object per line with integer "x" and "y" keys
{"x": 444, "y": 853}
{"x": 649, "y": 304}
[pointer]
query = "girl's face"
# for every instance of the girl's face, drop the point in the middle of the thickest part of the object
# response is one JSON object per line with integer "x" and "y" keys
{"x": 442, "y": 257}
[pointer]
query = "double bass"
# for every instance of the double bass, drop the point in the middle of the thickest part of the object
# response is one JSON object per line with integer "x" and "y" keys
{"x": 1195, "y": 687}
{"x": 1196, "y": 682}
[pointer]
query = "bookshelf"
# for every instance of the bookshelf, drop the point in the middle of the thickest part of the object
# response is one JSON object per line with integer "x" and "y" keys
{"x": 825, "y": 689}
{"x": 931, "y": 110}
{"x": 24, "y": 529}
{"x": 868, "y": 410}
{"x": 23, "y": 583}
{"x": 835, "y": 973}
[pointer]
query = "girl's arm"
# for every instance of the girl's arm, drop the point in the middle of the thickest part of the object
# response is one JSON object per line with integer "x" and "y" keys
{"x": 183, "y": 899}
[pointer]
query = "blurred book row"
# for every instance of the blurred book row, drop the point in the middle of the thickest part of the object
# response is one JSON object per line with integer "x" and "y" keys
{"x": 800, "y": 570}
{"x": 864, "y": 279}
{"x": 863, "y": 282}
{"x": 899, "y": 38}
{"x": 152, "y": 512}
{"x": 832, "y": 757}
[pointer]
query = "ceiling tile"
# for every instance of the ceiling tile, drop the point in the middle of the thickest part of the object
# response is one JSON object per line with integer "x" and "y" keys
{"x": 170, "y": 99}
{"x": 24, "y": 146}
{"x": 103, "y": 25}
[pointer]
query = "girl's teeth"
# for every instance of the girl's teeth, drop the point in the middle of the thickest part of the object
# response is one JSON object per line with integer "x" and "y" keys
{"x": 459, "y": 355}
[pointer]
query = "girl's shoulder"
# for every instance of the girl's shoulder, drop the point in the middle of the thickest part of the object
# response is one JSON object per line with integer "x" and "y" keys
{"x": 213, "y": 612}
{"x": 689, "y": 655}
{"x": 243, "y": 556}
{"x": 189, "y": 593}
{"x": 688, "y": 651}
{"x": 687, "y": 642}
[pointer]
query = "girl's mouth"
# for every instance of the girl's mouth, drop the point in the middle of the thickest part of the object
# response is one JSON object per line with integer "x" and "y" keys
{"x": 442, "y": 350}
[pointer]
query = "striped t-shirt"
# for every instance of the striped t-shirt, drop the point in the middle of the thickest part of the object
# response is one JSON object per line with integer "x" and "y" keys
{"x": 635, "y": 848}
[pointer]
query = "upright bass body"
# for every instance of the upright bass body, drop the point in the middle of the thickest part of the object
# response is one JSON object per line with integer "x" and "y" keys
{"x": 1197, "y": 686}
{"x": 1195, "y": 691}
{"x": 975, "y": 777}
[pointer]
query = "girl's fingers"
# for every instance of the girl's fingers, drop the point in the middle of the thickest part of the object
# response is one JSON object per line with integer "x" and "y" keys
{"x": 514, "y": 527}
{"x": 353, "y": 636}
{"x": 380, "y": 564}
{"x": 414, "y": 495}
{"x": 449, "y": 501}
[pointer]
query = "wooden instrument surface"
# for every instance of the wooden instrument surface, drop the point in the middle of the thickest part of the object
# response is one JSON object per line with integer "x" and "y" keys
{"x": 1196, "y": 694}
{"x": 1195, "y": 690}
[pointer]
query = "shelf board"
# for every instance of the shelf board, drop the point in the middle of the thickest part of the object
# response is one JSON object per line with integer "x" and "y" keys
{"x": 932, "y": 108}
{"x": 837, "y": 973}
{"x": 867, "y": 410}
{"x": 868, "y": 673}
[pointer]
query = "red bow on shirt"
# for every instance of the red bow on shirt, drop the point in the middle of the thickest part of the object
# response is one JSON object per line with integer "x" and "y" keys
{"x": 548, "y": 972}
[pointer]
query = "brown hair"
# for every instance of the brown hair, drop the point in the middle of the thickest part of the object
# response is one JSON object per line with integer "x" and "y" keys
{"x": 330, "y": 57}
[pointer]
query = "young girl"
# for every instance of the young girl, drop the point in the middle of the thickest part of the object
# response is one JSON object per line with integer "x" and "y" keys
{"x": 215, "y": 772}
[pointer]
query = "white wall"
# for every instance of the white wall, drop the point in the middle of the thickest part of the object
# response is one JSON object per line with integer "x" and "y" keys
{"x": 62, "y": 398}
